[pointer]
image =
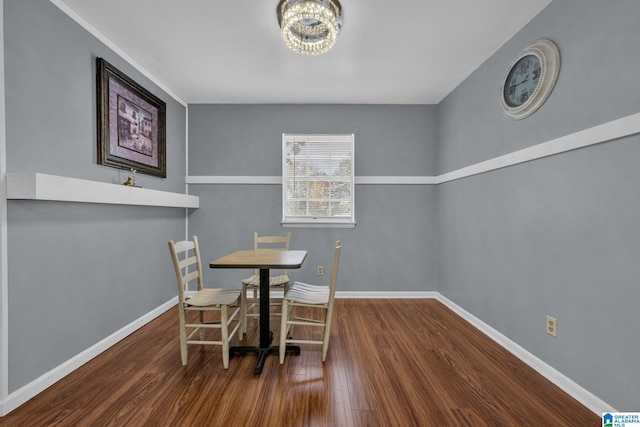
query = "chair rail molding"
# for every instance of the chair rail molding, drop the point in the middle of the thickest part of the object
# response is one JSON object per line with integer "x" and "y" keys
{"x": 605, "y": 132}
{"x": 39, "y": 186}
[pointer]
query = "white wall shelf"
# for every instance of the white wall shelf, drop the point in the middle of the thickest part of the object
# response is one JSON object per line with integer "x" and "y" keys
{"x": 39, "y": 186}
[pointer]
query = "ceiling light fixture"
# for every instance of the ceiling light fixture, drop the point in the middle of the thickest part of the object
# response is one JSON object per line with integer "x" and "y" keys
{"x": 310, "y": 27}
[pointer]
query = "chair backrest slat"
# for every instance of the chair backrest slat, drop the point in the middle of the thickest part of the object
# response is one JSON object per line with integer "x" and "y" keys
{"x": 282, "y": 240}
{"x": 189, "y": 277}
{"x": 184, "y": 245}
{"x": 188, "y": 262}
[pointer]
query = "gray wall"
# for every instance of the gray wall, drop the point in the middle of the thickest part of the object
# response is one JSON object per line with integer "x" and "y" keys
{"x": 77, "y": 272}
{"x": 396, "y": 229}
{"x": 558, "y": 235}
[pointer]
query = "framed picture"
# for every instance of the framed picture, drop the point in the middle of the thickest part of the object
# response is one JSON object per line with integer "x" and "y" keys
{"x": 131, "y": 123}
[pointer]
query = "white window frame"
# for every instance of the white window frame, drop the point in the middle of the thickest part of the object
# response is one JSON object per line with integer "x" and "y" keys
{"x": 310, "y": 221}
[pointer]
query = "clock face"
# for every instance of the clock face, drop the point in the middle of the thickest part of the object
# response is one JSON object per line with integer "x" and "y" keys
{"x": 529, "y": 79}
{"x": 522, "y": 80}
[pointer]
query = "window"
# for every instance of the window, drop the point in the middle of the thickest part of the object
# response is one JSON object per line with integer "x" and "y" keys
{"x": 317, "y": 180}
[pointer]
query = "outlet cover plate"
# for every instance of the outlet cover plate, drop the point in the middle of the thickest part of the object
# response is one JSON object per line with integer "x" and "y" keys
{"x": 552, "y": 326}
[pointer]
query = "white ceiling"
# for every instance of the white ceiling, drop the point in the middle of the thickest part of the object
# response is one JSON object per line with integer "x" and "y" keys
{"x": 389, "y": 51}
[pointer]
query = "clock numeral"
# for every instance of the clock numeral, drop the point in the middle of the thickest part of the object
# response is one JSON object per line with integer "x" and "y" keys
{"x": 536, "y": 73}
{"x": 512, "y": 90}
{"x": 523, "y": 97}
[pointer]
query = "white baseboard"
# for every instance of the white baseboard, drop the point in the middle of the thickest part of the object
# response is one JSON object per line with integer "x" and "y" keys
{"x": 386, "y": 294}
{"x": 570, "y": 387}
{"x": 588, "y": 399}
{"x": 36, "y": 386}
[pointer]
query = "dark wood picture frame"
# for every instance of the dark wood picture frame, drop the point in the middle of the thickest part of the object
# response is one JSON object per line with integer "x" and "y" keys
{"x": 131, "y": 123}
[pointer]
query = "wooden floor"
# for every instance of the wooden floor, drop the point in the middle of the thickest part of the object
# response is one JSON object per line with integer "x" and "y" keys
{"x": 390, "y": 363}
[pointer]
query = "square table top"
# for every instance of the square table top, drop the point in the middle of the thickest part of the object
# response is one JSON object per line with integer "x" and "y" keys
{"x": 261, "y": 259}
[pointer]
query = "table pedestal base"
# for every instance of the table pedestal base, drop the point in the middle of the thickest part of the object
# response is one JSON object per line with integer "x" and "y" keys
{"x": 262, "y": 353}
{"x": 262, "y": 260}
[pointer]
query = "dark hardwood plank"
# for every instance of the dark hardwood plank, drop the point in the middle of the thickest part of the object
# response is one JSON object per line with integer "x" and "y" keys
{"x": 390, "y": 363}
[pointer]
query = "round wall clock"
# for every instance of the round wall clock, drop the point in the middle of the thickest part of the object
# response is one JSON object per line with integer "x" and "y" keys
{"x": 530, "y": 79}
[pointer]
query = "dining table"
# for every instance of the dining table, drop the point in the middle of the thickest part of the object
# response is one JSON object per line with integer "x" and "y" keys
{"x": 263, "y": 260}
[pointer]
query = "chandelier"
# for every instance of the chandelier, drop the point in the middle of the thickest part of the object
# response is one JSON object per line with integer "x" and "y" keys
{"x": 310, "y": 27}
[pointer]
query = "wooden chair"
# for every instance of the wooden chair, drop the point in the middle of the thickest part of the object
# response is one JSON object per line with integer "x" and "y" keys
{"x": 303, "y": 295}
{"x": 253, "y": 283}
{"x": 186, "y": 261}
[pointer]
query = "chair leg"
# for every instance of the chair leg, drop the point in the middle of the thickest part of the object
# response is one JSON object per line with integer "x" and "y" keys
{"x": 253, "y": 304}
{"x": 327, "y": 333}
{"x": 283, "y": 330}
{"x": 202, "y": 330}
{"x": 325, "y": 342}
{"x": 183, "y": 337}
{"x": 290, "y": 327}
{"x": 249, "y": 311}
{"x": 243, "y": 311}
{"x": 224, "y": 327}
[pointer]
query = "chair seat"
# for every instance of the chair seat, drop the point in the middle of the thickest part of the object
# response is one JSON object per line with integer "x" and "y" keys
{"x": 306, "y": 293}
{"x": 254, "y": 280}
{"x": 212, "y": 296}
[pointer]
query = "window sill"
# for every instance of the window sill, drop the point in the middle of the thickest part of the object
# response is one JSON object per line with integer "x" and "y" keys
{"x": 318, "y": 224}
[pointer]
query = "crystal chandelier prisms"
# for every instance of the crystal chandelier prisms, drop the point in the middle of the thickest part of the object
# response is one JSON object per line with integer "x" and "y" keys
{"x": 310, "y": 27}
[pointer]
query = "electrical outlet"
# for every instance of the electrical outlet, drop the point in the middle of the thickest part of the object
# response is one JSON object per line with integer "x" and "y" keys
{"x": 552, "y": 326}
{"x": 320, "y": 270}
